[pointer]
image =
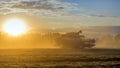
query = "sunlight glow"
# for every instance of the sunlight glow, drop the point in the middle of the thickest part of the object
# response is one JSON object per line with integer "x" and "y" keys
{"x": 14, "y": 27}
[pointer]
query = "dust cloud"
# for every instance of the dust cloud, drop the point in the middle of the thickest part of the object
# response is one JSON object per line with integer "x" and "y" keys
{"x": 108, "y": 41}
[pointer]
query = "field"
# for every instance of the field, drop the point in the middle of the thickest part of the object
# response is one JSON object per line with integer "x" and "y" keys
{"x": 59, "y": 58}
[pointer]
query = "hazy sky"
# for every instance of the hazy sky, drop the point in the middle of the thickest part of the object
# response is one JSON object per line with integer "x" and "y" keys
{"x": 66, "y": 13}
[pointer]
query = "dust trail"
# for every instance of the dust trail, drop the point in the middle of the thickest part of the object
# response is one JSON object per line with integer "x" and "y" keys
{"x": 108, "y": 41}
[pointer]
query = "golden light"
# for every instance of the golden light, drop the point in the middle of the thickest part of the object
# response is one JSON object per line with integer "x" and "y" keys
{"x": 14, "y": 27}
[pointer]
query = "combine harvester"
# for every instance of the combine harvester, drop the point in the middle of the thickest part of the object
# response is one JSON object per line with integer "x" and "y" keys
{"x": 74, "y": 40}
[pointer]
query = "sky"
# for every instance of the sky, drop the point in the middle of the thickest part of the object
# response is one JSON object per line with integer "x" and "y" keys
{"x": 65, "y": 13}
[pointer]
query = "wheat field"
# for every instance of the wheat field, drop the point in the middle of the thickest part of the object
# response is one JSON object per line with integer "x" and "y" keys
{"x": 59, "y": 58}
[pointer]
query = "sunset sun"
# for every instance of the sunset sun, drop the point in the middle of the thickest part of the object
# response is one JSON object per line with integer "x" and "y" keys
{"x": 14, "y": 27}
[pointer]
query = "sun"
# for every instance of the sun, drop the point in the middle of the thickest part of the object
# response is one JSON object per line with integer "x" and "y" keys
{"x": 14, "y": 27}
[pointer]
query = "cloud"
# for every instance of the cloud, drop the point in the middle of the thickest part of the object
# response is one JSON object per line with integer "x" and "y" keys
{"x": 5, "y": 10}
{"x": 40, "y": 4}
{"x": 100, "y": 15}
{"x": 36, "y": 6}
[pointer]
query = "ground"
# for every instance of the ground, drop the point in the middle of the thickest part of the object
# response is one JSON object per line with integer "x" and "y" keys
{"x": 59, "y": 58}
